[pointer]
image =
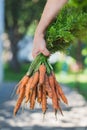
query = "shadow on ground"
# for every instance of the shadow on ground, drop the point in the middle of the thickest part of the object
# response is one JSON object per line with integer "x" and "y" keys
{"x": 75, "y": 115}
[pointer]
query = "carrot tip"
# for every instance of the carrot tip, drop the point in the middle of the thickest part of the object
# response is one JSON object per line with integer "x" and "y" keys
{"x": 26, "y": 101}
{"x": 14, "y": 113}
{"x": 44, "y": 115}
{"x": 56, "y": 117}
{"x": 62, "y": 113}
{"x": 66, "y": 102}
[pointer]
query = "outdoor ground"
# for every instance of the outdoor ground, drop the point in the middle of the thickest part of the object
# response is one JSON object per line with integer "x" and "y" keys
{"x": 75, "y": 114}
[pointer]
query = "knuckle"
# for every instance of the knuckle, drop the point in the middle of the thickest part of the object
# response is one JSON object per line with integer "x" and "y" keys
{"x": 42, "y": 49}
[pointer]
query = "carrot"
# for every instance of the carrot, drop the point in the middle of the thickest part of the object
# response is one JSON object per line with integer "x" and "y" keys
{"x": 42, "y": 70}
{"x": 19, "y": 101}
{"x": 32, "y": 99}
{"x": 35, "y": 80}
{"x": 44, "y": 100}
{"x": 57, "y": 92}
{"x": 36, "y": 92}
{"x": 18, "y": 90}
{"x": 25, "y": 80}
{"x": 54, "y": 96}
{"x": 59, "y": 108}
{"x": 61, "y": 93}
{"x": 22, "y": 83}
{"x": 27, "y": 91}
{"x": 47, "y": 86}
{"x": 58, "y": 97}
{"x": 39, "y": 93}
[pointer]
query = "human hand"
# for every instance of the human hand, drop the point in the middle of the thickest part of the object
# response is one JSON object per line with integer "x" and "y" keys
{"x": 39, "y": 46}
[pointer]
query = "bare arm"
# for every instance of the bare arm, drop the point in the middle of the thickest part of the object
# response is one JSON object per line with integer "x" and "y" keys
{"x": 50, "y": 11}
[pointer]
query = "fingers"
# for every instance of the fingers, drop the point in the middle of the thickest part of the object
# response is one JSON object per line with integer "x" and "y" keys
{"x": 45, "y": 52}
{"x": 40, "y": 47}
{"x": 34, "y": 54}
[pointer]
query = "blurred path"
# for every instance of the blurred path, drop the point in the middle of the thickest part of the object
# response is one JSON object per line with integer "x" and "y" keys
{"x": 75, "y": 115}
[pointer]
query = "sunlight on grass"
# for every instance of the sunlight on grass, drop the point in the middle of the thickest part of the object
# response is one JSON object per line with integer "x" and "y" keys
{"x": 74, "y": 81}
{"x": 61, "y": 77}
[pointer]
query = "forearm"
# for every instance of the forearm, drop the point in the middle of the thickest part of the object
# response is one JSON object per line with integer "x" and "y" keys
{"x": 50, "y": 11}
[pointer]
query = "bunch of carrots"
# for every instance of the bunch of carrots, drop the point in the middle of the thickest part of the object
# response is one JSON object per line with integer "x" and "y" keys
{"x": 38, "y": 85}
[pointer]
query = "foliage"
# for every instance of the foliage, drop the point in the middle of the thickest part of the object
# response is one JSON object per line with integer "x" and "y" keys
{"x": 78, "y": 3}
{"x": 20, "y": 14}
{"x": 69, "y": 25}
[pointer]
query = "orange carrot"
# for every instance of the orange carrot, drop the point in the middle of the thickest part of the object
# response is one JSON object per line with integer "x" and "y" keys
{"x": 54, "y": 96}
{"x": 32, "y": 99}
{"x": 22, "y": 83}
{"x": 25, "y": 80}
{"x": 47, "y": 86}
{"x": 35, "y": 80}
{"x": 18, "y": 89}
{"x": 60, "y": 109}
{"x": 42, "y": 70}
{"x": 44, "y": 100}
{"x": 61, "y": 93}
{"x": 27, "y": 91}
{"x": 58, "y": 97}
{"x": 39, "y": 93}
{"x": 19, "y": 101}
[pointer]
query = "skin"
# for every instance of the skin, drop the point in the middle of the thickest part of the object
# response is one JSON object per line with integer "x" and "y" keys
{"x": 50, "y": 11}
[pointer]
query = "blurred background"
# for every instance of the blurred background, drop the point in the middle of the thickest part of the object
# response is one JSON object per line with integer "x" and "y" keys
{"x": 18, "y": 21}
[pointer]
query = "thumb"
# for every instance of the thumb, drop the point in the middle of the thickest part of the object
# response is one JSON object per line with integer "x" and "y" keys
{"x": 45, "y": 52}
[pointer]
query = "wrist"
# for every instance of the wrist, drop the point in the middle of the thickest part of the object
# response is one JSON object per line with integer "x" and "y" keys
{"x": 40, "y": 31}
{"x": 39, "y": 34}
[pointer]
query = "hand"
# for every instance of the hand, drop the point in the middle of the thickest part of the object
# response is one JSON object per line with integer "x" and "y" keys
{"x": 39, "y": 46}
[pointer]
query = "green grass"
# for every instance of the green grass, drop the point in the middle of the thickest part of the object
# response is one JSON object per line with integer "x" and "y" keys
{"x": 11, "y": 75}
{"x": 74, "y": 81}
